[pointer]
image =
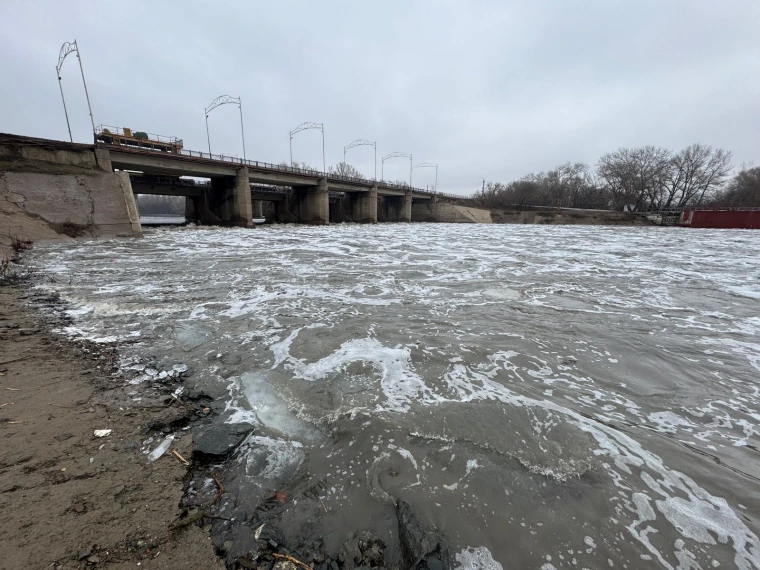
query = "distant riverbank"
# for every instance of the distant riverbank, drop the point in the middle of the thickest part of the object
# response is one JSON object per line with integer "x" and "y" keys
{"x": 569, "y": 216}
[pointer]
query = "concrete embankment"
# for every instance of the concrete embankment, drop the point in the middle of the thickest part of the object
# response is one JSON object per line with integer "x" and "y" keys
{"x": 449, "y": 213}
{"x": 568, "y": 216}
{"x": 61, "y": 193}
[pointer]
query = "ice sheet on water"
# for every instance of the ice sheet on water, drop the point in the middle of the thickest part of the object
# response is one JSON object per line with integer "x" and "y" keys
{"x": 271, "y": 462}
{"x": 272, "y": 410}
{"x": 191, "y": 335}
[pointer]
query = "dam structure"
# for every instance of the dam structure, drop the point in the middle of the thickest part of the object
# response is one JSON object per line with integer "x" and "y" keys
{"x": 45, "y": 178}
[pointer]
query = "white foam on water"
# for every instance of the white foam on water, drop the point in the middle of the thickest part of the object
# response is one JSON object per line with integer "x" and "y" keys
{"x": 328, "y": 277}
{"x": 478, "y": 558}
{"x": 400, "y": 384}
{"x": 669, "y": 421}
{"x": 628, "y": 455}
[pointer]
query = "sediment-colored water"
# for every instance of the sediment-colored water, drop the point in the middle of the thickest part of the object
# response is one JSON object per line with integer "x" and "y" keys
{"x": 548, "y": 397}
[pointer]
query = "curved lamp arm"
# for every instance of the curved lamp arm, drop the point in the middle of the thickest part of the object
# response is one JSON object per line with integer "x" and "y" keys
{"x": 397, "y": 155}
{"x": 303, "y": 127}
{"x": 218, "y": 102}
{"x": 361, "y": 142}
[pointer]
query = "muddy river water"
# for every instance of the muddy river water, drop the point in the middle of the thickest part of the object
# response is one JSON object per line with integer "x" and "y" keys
{"x": 546, "y": 396}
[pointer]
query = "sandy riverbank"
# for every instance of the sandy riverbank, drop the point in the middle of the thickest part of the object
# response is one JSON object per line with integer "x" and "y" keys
{"x": 569, "y": 216}
{"x": 70, "y": 499}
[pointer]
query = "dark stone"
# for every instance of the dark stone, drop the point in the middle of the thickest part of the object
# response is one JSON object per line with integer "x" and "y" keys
{"x": 84, "y": 553}
{"x": 218, "y": 440}
{"x": 421, "y": 545}
{"x": 206, "y": 389}
{"x": 64, "y": 436}
{"x": 362, "y": 550}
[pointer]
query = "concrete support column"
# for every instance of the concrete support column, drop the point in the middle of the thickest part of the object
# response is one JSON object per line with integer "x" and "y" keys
{"x": 103, "y": 159}
{"x": 241, "y": 200}
{"x": 191, "y": 208}
{"x": 364, "y": 206}
{"x": 258, "y": 209}
{"x": 130, "y": 203}
{"x": 400, "y": 207}
{"x": 315, "y": 204}
{"x": 407, "y": 208}
{"x": 230, "y": 199}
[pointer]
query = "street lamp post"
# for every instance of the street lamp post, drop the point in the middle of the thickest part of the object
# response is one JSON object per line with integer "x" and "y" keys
{"x": 396, "y": 155}
{"x": 224, "y": 100}
{"x": 66, "y": 49}
{"x": 429, "y": 165}
{"x": 306, "y": 126}
{"x": 361, "y": 142}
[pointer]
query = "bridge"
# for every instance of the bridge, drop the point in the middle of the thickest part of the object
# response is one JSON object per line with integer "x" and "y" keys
{"x": 89, "y": 189}
{"x": 307, "y": 196}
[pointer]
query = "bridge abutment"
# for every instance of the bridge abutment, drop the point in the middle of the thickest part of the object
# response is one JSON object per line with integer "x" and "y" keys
{"x": 364, "y": 206}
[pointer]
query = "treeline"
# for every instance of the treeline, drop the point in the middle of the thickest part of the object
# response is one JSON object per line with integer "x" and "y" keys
{"x": 160, "y": 205}
{"x": 638, "y": 179}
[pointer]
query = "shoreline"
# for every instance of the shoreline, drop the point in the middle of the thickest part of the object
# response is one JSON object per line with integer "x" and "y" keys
{"x": 73, "y": 500}
{"x": 100, "y": 502}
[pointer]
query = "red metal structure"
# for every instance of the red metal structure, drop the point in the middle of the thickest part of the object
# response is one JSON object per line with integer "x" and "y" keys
{"x": 744, "y": 218}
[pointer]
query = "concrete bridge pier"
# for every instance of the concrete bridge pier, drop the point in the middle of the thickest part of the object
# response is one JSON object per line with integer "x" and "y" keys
{"x": 191, "y": 208}
{"x": 364, "y": 206}
{"x": 230, "y": 199}
{"x": 399, "y": 208}
{"x": 258, "y": 208}
{"x": 310, "y": 204}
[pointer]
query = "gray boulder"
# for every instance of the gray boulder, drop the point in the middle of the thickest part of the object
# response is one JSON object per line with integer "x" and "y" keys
{"x": 421, "y": 545}
{"x": 219, "y": 440}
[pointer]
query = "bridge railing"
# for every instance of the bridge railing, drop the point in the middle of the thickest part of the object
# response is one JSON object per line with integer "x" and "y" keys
{"x": 307, "y": 171}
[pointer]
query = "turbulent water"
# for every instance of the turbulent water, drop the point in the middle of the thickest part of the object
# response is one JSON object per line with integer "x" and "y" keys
{"x": 549, "y": 397}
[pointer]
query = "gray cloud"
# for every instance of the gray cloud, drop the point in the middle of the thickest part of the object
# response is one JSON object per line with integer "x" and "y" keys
{"x": 486, "y": 89}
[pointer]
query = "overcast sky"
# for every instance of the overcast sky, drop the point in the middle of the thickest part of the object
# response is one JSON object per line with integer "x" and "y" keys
{"x": 490, "y": 90}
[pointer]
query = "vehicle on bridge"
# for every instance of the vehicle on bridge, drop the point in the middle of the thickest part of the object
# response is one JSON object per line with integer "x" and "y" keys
{"x": 138, "y": 139}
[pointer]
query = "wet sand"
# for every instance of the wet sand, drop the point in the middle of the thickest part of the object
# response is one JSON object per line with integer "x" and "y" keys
{"x": 70, "y": 499}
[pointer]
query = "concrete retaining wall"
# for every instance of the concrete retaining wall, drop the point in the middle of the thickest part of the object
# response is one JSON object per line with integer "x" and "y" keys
{"x": 450, "y": 213}
{"x": 59, "y": 194}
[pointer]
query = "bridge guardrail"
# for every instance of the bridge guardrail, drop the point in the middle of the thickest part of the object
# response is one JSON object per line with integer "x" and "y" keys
{"x": 309, "y": 172}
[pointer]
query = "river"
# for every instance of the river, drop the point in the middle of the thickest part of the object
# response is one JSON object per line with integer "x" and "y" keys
{"x": 547, "y": 396}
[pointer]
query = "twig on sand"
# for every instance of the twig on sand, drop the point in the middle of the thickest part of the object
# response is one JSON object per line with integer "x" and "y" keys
{"x": 220, "y": 487}
{"x": 14, "y": 389}
{"x": 13, "y": 360}
{"x": 323, "y": 505}
{"x": 6, "y": 404}
{"x": 178, "y": 456}
{"x": 291, "y": 559}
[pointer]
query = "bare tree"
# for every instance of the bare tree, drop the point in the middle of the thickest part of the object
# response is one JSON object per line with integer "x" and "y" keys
{"x": 643, "y": 178}
{"x": 160, "y": 205}
{"x": 345, "y": 169}
{"x": 635, "y": 176}
{"x": 743, "y": 191}
{"x": 301, "y": 165}
{"x": 697, "y": 171}
{"x": 568, "y": 186}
